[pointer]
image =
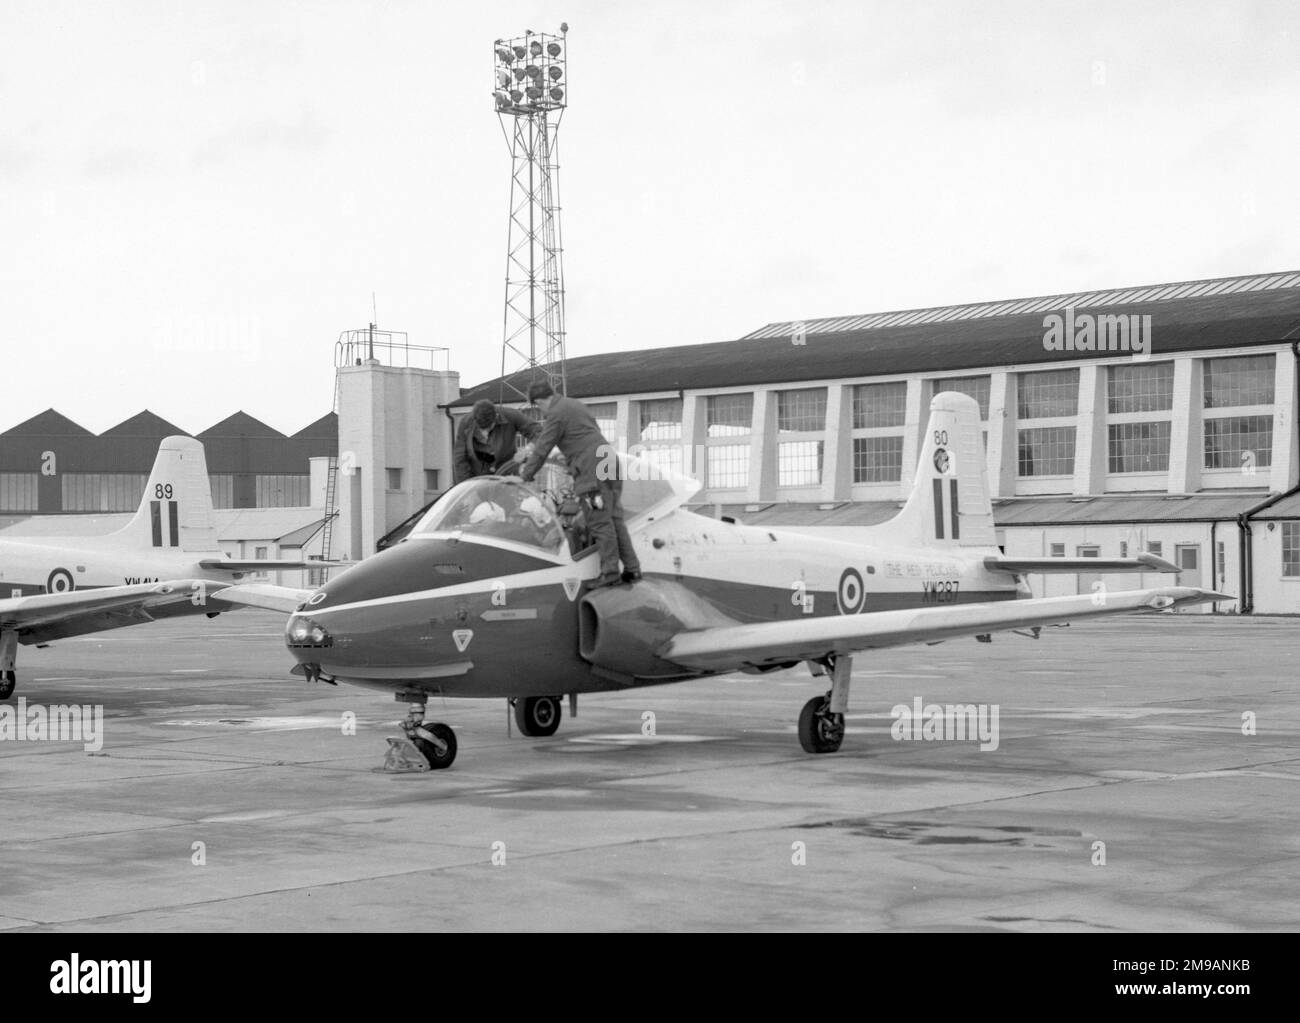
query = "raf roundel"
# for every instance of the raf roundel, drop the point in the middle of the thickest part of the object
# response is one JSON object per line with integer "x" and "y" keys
{"x": 851, "y": 592}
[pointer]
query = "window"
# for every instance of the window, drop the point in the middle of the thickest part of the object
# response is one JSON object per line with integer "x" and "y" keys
{"x": 18, "y": 492}
{"x": 976, "y": 387}
{"x": 606, "y": 415}
{"x": 102, "y": 491}
{"x": 1291, "y": 549}
{"x": 728, "y": 465}
{"x": 283, "y": 490}
{"x": 1220, "y": 563}
{"x": 877, "y": 459}
{"x": 1155, "y": 547}
{"x": 431, "y": 480}
{"x": 1058, "y": 550}
{"x": 799, "y": 463}
{"x": 260, "y": 553}
{"x": 1049, "y": 395}
{"x": 802, "y": 411}
{"x": 660, "y": 419}
{"x": 1141, "y": 387}
{"x": 879, "y": 405}
{"x": 315, "y": 576}
{"x": 394, "y": 479}
{"x": 1088, "y": 550}
{"x": 1046, "y": 451}
{"x": 1139, "y": 447}
{"x": 1233, "y": 382}
{"x": 1123, "y": 548}
{"x": 730, "y": 415}
{"x": 1239, "y": 442}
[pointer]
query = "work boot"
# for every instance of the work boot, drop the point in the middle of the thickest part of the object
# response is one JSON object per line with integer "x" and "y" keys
{"x": 632, "y": 575}
{"x": 608, "y": 579}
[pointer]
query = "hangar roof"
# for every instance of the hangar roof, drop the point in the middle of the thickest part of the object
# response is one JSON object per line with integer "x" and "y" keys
{"x": 1185, "y": 316}
{"x": 1107, "y": 509}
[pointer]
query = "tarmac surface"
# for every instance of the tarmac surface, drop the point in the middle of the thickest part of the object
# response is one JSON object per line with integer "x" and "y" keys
{"x": 1119, "y": 740}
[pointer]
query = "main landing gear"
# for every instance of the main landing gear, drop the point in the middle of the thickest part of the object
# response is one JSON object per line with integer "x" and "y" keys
{"x": 8, "y": 661}
{"x": 821, "y": 722}
{"x": 537, "y": 715}
{"x": 425, "y": 746}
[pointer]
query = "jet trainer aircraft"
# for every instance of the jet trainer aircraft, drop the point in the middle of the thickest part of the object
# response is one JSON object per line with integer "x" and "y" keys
{"x": 165, "y": 562}
{"x": 485, "y": 598}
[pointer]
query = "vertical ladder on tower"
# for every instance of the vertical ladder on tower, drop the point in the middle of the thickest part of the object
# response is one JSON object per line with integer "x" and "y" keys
{"x": 331, "y": 492}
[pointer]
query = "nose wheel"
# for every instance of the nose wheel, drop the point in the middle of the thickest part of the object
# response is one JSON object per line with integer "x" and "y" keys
{"x": 424, "y": 746}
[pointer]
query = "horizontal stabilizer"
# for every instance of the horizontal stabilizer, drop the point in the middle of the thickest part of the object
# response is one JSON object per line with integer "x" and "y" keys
{"x": 265, "y": 596}
{"x": 1142, "y": 563}
{"x": 265, "y": 565}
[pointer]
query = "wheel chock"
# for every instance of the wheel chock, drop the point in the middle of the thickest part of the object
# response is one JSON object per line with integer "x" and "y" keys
{"x": 403, "y": 758}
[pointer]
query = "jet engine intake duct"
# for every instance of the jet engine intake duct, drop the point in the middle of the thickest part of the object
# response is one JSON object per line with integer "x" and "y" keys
{"x": 623, "y": 628}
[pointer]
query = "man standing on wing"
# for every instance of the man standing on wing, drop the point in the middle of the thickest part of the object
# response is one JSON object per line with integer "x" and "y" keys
{"x": 572, "y": 428}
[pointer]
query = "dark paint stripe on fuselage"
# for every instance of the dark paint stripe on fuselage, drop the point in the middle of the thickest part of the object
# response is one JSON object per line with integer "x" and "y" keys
{"x": 532, "y": 649}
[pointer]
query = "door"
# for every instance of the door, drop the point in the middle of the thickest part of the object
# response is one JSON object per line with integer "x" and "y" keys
{"x": 1088, "y": 580}
{"x": 1188, "y": 559}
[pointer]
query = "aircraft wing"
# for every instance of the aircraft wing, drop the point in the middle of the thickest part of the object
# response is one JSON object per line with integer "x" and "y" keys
{"x": 48, "y": 616}
{"x": 265, "y": 596}
{"x": 734, "y": 647}
{"x": 1142, "y": 563}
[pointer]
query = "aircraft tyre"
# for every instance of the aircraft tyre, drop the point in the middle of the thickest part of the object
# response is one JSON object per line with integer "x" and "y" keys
{"x": 429, "y": 751}
{"x": 820, "y": 731}
{"x": 8, "y": 682}
{"x": 537, "y": 715}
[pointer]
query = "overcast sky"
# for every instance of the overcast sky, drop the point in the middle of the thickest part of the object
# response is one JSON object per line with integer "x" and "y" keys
{"x": 196, "y": 198}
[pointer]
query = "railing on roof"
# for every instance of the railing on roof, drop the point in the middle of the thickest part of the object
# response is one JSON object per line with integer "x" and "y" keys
{"x": 388, "y": 348}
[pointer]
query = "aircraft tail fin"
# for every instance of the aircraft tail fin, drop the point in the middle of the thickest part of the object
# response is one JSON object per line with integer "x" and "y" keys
{"x": 949, "y": 505}
{"x": 176, "y": 509}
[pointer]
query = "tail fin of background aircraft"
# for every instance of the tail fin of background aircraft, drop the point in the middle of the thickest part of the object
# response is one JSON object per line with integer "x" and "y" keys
{"x": 176, "y": 510}
{"x": 949, "y": 505}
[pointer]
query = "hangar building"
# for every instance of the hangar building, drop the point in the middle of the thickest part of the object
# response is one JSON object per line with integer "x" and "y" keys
{"x": 1181, "y": 441}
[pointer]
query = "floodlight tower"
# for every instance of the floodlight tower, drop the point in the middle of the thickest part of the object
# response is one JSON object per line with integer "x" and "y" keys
{"x": 530, "y": 95}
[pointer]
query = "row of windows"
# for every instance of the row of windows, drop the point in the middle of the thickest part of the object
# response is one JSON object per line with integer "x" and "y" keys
{"x": 1051, "y": 394}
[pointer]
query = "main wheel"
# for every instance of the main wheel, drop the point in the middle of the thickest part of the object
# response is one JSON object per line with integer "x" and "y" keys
{"x": 820, "y": 731}
{"x": 437, "y": 760}
{"x": 8, "y": 681}
{"x": 537, "y": 715}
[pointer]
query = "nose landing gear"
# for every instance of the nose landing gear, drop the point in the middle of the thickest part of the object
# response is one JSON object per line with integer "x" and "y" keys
{"x": 424, "y": 746}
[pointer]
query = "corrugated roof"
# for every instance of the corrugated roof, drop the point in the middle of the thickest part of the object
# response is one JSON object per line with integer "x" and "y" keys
{"x": 938, "y": 340}
{"x": 1124, "y": 508}
{"x": 1003, "y": 307}
{"x": 1019, "y": 511}
{"x": 1287, "y": 508}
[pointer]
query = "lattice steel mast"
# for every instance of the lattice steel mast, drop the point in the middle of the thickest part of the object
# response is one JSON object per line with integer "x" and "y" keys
{"x": 530, "y": 95}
